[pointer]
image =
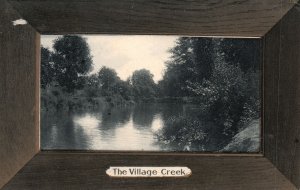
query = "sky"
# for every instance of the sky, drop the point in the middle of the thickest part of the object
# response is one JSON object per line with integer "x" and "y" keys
{"x": 126, "y": 53}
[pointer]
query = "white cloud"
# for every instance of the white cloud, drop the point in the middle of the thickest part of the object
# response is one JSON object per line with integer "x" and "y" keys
{"x": 127, "y": 53}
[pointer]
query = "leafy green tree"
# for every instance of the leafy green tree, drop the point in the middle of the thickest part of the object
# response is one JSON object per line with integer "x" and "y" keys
{"x": 112, "y": 85}
{"x": 203, "y": 49}
{"x": 229, "y": 97}
{"x": 180, "y": 68}
{"x": 124, "y": 89}
{"x": 47, "y": 67}
{"x": 219, "y": 72}
{"x": 108, "y": 79}
{"x": 243, "y": 52}
{"x": 191, "y": 62}
{"x": 172, "y": 82}
{"x": 92, "y": 86}
{"x": 72, "y": 60}
{"x": 143, "y": 84}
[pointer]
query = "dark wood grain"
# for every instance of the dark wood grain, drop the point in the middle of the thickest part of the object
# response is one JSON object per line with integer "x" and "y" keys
{"x": 271, "y": 80}
{"x": 50, "y": 170}
{"x": 282, "y": 114}
{"x": 18, "y": 95}
{"x": 185, "y": 17}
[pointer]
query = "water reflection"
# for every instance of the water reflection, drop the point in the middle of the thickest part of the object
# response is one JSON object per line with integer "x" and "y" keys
{"x": 118, "y": 128}
{"x": 142, "y": 120}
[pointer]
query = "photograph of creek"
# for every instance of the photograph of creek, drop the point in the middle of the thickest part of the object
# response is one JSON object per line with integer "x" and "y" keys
{"x": 150, "y": 93}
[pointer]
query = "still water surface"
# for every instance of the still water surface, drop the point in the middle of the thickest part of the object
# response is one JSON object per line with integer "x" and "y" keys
{"x": 116, "y": 128}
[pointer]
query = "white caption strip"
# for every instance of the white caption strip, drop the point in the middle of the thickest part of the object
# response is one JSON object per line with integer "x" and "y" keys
{"x": 148, "y": 172}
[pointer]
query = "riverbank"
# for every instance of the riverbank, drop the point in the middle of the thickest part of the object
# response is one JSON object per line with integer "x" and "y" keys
{"x": 56, "y": 99}
{"x": 183, "y": 100}
{"x": 247, "y": 140}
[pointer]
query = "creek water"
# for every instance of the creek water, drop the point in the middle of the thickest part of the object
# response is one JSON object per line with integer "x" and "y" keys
{"x": 114, "y": 128}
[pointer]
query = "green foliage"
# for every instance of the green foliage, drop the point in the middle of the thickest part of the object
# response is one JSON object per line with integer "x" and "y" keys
{"x": 183, "y": 132}
{"x": 223, "y": 96}
{"x": 53, "y": 98}
{"x": 108, "y": 79}
{"x": 143, "y": 84}
{"x": 72, "y": 60}
{"x": 47, "y": 68}
{"x": 124, "y": 89}
{"x": 91, "y": 87}
{"x": 246, "y": 53}
{"x": 203, "y": 63}
{"x": 111, "y": 84}
{"x": 191, "y": 62}
{"x": 178, "y": 68}
{"x": 223, "y": 74}
{"x": 252, "y": 106}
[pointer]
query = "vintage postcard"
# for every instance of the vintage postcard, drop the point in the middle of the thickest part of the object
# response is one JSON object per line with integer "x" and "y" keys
{"x": 150, "y": 93}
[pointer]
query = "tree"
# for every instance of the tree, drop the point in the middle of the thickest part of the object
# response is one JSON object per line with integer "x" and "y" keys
{"x": 243, "y": 52}
{"x": 92, "y": 87}
{"x": 72, "y": 60}
{"x": 180, "y": 68}
{"x": 203, "y": 63}
{"x": 124, "y": 89}
{"x": 173, "y": 82}
{"x": 143, "y": 84}
{"x": 108, "y": 79}
{"x": 191, "y": 62}
{"x": 47, "y": 67}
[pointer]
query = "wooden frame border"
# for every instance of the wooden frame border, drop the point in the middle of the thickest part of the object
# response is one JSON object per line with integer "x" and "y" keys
{"x": 19, "y": 92}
